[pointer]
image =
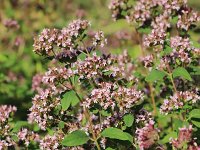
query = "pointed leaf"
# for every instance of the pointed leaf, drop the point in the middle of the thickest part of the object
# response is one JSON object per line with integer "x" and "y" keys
{"x": 128, "y": 120}
{"x": 195, "y": 113}
{"x": 69, "y": 98}
{"x": 181, "y": 72}
{"x": 75, "y": 138}
{"x": 155, "y": 75}
{"x": 196, "y": 123}
{"x": 115, "y": 133}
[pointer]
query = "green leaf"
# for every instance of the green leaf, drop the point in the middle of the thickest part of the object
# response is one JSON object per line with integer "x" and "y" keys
{"x": 109, "y": 148}
{"x": 107, "y": 72}
{"x": 195, "y": 113}
{"x": 196, "y": 123}
{"x": 61, "y": 124}
{"x": 75, "y": 138}
{"x": 50, "y": 131}
{"x": 15, "y": 138}
{"x": 195, "y": 70}
{"x": 69, "y": 98}
{"x": 166, "y": 139}
{"x": 155, "y": 75}
{"x": 181, "y": 72}
{"x": 196, "y": 44}
{"x": 128, "y": 120}
{"x": 36, "y": 127}
{"x": 174, "y": 20}
{"x": 167, "y": 50}
{"x": 145, "y": 30}
{"x": 115, "y": 133}
{"x": 178, "y": 124}
{"x": 65, "y": 103}
{"x": 19, "y": 125}
{"x": 3, "y": 58}
{"x": 105, "y": 113}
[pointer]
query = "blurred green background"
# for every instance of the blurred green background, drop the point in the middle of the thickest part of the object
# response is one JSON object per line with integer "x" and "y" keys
{"x": 18, "y": 63}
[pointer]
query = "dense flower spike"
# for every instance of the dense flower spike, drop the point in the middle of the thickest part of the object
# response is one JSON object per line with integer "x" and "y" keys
{"x": 44, "y": 44}
{"x": 56, "y": 75}
{"x": 42, "y": 107}
{"x": 141, "y": 11}
{"x": 124, "y": 67}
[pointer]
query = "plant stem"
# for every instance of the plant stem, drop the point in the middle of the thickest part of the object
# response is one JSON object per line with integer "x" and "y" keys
{"x": 150, "y": 85}
{"x": 152, "y": 98}
{"x": 173, "y": 84}
{"x": 171, "y": 78}
{"x": 87, "y": 115}
{"x": 91, "y": 129}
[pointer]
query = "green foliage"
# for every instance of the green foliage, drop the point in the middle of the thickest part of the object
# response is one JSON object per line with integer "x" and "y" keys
{"x": 69, "y": 98}
{"x": 144, "y": 30}
{"x": 181, "y": 72}
{"x": 166, "y": 138}
{"x": 128, "y": 120}
{"x": 195, "y": 113}
{"x": 155, "y": 75}
{"x": 75, "y": 138}
{"x": 19, "y": 124}
{"x": 194, "y": 116}
{"x": 115, "y": 133}
{"x": 109, "y": 148}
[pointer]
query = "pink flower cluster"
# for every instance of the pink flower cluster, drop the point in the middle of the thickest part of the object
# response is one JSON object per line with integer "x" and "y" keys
{"x": 147, "y": 61}
{"x": 141, "y": 12}
{"x": 11, "y": 24}
{"x": 43, "y": 104}
{"x": 117, "y": 6}
{"x": 158, "y": 33}
{"x": 182, "y": 49}
{"x": 66, "y": 39}
{"x": 5, "y": 137}
{"x": 99, "y": 39}
{"x": 147, "y": 135}
{"x": 187, "y": 18}
{"x": 185, "y": 137}
{"x": 26, "y": 136}
{"x": 124, "y": 68}
{"x": 51, "y": 142}
{"x": 93, "y": 66}
{"x": 178, "y": 100}
{"x": 109, "y": 95}
{"x": 5, "y": 112}
{"x": 69, "y": 41}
